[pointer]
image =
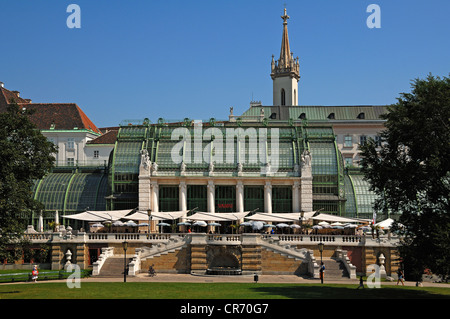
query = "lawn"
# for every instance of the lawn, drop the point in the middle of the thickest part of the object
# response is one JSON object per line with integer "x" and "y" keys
{"x": 191, "y": 291}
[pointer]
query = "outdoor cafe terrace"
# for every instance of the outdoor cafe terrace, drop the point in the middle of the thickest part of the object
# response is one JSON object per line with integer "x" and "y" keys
{"x": 138, "y": 226}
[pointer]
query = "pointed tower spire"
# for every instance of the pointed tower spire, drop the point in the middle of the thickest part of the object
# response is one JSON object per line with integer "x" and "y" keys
{"x": 287, "y": 67}
{"x": 285, "y": 52}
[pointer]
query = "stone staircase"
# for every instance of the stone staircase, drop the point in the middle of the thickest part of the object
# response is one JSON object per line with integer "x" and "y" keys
{"x": 113, "y": 267}
{"x": 163, "y": 248}
{"x": 334, "y": 266}
{"x": 334, "y": 269}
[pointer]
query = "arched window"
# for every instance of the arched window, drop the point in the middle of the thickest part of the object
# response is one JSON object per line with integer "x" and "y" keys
{"x": 295, "y": 97}
{"x": 283, "y": 97}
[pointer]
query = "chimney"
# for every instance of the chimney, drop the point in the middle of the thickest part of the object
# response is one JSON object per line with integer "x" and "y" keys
{"x": 17, "y": 93}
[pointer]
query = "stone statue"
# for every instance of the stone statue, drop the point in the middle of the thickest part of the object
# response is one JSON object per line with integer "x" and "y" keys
{"x": 154, "y": 168}
{"x": 306, "y": 158}
{"x": 145, "y": 160}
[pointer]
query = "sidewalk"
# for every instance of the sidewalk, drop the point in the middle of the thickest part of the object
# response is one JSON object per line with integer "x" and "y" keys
{"x": 286, "y": 279}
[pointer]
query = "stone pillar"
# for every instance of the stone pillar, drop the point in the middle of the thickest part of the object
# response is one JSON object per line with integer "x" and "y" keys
{"x": 268, "y": 198}
{"x": 144, "y": 182}
{"x": 295, "y": 197}
{"x": 211, "y": 197}
{"x": 183, "y": 197}
{"x": 306, "y": 195}
{"x": 240, "y": 197}
{"x": 306, "y": 192}
{"x": 56, "y": 257}
{"x": 155, "y": 196}
{"x": 144, "y": 192}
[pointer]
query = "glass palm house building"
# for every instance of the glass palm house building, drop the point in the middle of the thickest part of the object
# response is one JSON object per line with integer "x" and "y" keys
{"x": 280, "y": 158}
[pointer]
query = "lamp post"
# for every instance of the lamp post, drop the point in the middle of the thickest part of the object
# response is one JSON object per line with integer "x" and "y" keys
{"x": 321, "y": 250}
{"x": 125, "y": 247}
{"x": 321, "y": 262}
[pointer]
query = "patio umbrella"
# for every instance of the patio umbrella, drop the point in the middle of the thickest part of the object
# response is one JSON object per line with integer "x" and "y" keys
{"x": 130, "y": 223}
{"x": 257, "y": 225}
{"x": 246, "y": 224}
{"x": 162, "y": 224}
{"x": 295, "y": 226}
{"x": 350, "y": 226}
{"x": 323, "y": 223}
{"x": 337, "y": 224}
{"x": 337, "y": 227}
{"x": 143, "y": 224}
{"x": 118, "y": 223}
{"x": 184, "y": 224}
{"x": 282, "y": 225}
{"x": 317, "y": 227}
{"x": 200, "y": 223}
{"x": 214, "y": 224}
{"x": 269, "y": 225}
{"x": 97, "y": 225}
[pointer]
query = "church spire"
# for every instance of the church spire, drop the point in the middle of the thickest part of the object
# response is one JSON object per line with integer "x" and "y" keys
{"x": 285, "y": 72}
{"x": 285, "y": 52}
{"x": 286, "y": 64}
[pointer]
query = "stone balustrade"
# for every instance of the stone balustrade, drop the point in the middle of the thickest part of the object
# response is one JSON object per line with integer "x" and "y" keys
{"x": 211, "y": 239}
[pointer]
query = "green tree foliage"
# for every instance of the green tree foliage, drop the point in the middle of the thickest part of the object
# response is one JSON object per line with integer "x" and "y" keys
{"x": 25, "y": 156}
{"x": 411, "y": 173}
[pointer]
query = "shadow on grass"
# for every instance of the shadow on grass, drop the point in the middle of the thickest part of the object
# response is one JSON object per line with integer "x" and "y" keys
{"x": 346, "y": 292}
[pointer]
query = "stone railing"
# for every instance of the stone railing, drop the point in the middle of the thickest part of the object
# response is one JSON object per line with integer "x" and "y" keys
{"x": 342, "y": 256}
{"x": 315, "y": 239}
{"x": 225, "y": 239}
{"x": 134, "y": 267}
{"x": 97, "y": 266}
{"x": 210, "y": 239}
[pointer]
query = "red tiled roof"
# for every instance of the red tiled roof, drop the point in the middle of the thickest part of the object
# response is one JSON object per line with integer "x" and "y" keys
{"x": 60, "y": 116}
{"x": 6, "y": 96}
{"x": 109, "y": 137}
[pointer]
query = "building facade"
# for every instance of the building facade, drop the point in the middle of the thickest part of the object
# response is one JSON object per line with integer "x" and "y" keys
{"x": 279, "y": 158}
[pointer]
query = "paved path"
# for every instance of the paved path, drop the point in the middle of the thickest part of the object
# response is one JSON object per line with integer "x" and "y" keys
{"x": 245, "y": 278}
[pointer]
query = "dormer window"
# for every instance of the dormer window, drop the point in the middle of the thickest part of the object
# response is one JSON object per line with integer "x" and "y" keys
{"x": 331, "y": 116}
{"x": 361, "y": 116}
{"x": 273, "y": 116}
{"x": 302, "y": 116}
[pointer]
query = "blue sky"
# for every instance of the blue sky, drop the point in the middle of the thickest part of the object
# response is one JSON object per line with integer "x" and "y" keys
{"x": 177, "y": 59}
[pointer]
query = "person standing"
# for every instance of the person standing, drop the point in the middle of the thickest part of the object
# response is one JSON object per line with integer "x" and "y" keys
{"x": 361, "y": 282}
{"x": 321, "y": 272}
{"x": 34, "y": 273}
{"x": 400, "y": 276}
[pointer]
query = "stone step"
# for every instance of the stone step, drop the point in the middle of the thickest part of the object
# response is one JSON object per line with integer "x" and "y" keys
{"x": 334, "y": 268}
{"x": 113, "y": 267}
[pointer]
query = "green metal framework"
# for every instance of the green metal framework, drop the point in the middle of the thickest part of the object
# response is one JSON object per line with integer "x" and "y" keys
{"x": 131, "y": 139}
{"x": 253, "y": 198}
{"x": 282, "y": 199}
{"x": 364, "y": 198}
{"x": 168, "y": 198}
{"x": 196, "y": 197}
{"x": 327, "y": 171}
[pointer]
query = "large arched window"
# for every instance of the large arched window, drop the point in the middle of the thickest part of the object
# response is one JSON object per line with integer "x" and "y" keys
{"x": 295, "y": 97}
{"x": 283, "y": 97}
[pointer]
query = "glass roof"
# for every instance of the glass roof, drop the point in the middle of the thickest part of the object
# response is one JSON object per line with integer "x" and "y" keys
{"x": 72, "y": 192}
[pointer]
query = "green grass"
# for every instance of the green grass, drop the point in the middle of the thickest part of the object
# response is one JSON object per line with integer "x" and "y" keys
{"x": 163, "y": 290}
